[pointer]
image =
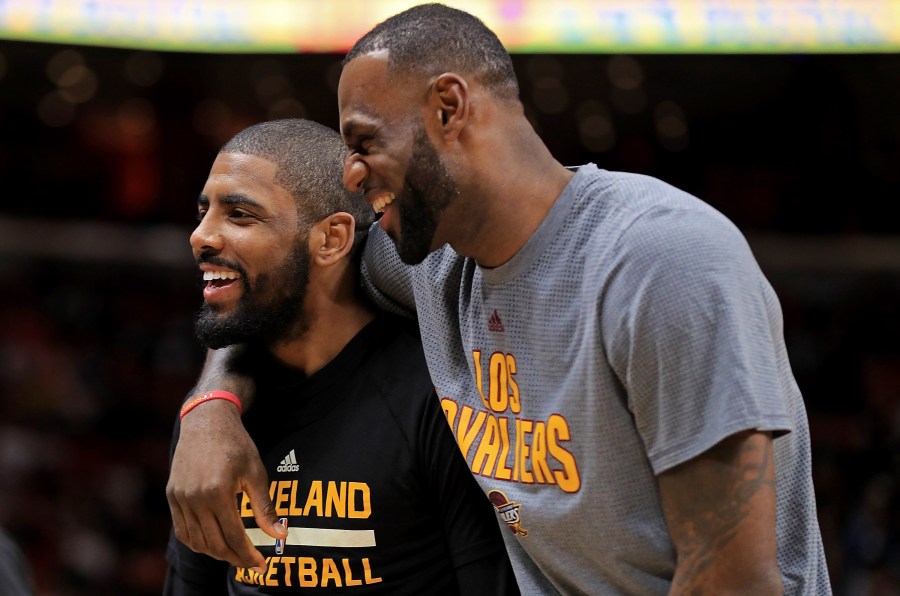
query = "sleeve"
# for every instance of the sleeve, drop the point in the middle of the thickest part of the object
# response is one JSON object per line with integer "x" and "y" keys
{"x": 473, "y": 534}
{"x": 388, "y": 281}
{"x": 694, "y": 333}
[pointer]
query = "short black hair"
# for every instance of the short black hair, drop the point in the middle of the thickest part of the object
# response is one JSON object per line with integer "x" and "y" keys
{"x": 430, "y": 39}
{"x": 309, "y": 164}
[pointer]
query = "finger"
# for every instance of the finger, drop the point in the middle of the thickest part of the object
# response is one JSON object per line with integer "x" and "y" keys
{"x": 229, "y": 542}
{"x": 260, "y": 566}
{"x": 179, "y": 526}
{"x": 196, "y": 537}
{"x": 234, "y": 540}
{"x": 262, "y": 506}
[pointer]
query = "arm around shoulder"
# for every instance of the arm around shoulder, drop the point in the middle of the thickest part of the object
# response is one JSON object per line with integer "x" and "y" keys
{"x": 214, "y": 459}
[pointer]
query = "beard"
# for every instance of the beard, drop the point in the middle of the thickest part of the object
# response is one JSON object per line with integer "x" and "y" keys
{"x": 427, "y": 190}
{"x": 269, "y": 310}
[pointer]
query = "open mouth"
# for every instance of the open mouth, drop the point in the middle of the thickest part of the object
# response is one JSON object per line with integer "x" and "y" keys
{"x": 220, "y": 278}
{"x": 381, "y": 202}
{"x": 217, "y": 282}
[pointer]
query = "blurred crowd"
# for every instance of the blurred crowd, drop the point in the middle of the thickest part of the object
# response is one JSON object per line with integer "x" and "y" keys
{"x": 96, "y": 340}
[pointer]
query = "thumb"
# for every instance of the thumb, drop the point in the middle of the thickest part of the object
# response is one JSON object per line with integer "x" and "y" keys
{"x": 263, "y": 507}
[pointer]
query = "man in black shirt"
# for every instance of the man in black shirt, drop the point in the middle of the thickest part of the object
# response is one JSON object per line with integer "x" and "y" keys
{"x": 364, "y": 473}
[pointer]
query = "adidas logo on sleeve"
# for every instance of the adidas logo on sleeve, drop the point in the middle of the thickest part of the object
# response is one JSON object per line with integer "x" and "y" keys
{"x": 289, "y": 463}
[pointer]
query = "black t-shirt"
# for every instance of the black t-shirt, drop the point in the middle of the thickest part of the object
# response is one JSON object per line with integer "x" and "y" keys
{"x": 364, "y": 470}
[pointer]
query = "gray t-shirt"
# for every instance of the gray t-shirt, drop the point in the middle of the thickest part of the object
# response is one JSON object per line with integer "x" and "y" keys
{"x": 15, "y": 574}
{"x": 632, "y": 332}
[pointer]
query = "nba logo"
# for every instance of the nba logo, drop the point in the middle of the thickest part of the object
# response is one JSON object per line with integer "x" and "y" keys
{"x": 279, "y": 544}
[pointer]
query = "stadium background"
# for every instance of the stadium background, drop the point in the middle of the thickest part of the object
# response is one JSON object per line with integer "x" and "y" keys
{"x": 103, "y": 151}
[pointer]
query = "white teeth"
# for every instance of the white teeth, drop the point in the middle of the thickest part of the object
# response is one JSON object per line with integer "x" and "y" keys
{"x": 211, "y": 275}
{"x": 381, "y": 203}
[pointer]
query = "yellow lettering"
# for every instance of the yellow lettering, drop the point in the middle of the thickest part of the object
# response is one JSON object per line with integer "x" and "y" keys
{"x": 245, "y": 506}
{"x": 306, "y": 572}
{"x": 539, "y": 454}
{"x": 557, "y": 431}
{"x": 348, "y": 575}
{"x": 499, "y": 392}
{"x": 362, "y": 489}
{"x": 525, "y": 430}
{"x": 503, "y": 472}
{"x": 330, "y": 572}
{"x": 514, "y": 404}
{"x": 252, "y": 577}
{"x": 335, "y": 499}
{"x": 486, "y": 454}
{"x": 450, "y": 409}
{"x": 282, "y": 496}
{"x": 314, "y": 498}
{"x": 239, "y": 574}
{"x": 516, "y": 457}
{"x": 294, "y": 509}
{"x": 287, "y": 561}
{"x": 466, "y": 433}
{"x": 368, "y": 573}
{"x": 476, "y": 357}
{"x": 271, "y": 581}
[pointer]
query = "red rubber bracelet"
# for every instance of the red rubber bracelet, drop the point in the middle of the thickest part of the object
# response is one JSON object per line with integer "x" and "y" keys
{"x": 205, "y": 397}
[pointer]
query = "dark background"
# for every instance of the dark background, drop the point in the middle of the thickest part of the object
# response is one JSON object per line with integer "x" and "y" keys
{"x": 103, "y": 153}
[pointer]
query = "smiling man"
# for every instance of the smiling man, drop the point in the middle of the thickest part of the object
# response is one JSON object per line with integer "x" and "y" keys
{"x": 362, "y": 469}
{"x": 606, "y": 349}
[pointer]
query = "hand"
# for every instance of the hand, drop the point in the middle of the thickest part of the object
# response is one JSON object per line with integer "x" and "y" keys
{"x": 214, "y": 460}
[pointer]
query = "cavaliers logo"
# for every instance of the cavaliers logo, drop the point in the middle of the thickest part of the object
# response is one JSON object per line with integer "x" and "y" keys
{"x": 508, "y": 512}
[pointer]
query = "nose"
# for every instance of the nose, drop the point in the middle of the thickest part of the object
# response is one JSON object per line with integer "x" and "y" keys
{"x": 355, "y": 173}
{"x": 205, "y": 238}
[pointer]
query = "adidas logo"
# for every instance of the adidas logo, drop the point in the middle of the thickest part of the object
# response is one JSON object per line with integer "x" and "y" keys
{"x": 289, "y": 463}
{"x": 494, "y": 323}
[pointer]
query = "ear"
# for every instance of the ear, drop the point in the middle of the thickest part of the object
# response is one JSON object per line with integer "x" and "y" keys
{"x": 331, "y": 239}
{"x": 449, "y": 102}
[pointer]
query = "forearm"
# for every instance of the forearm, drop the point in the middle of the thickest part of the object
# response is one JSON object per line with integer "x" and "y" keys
{"x": 215, "y": 458}
{"x": 222, "y": 371}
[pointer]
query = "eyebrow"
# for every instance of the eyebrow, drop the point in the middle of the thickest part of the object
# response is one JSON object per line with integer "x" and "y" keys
{"x": 363, "y": 117}
{"x": 347, "y": 128}
{"x": 229, "y": 199}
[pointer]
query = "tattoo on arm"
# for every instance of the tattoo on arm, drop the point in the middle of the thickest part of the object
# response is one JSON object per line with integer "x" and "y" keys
{"x": 709, "y": 502}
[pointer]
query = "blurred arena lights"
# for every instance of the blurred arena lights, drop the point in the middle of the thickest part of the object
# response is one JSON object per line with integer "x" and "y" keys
{"x": 564, "y": 26}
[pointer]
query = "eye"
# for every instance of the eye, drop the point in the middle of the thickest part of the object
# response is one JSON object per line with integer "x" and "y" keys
{"x": 241, "y": 216}
{"x": 360, "y": 146}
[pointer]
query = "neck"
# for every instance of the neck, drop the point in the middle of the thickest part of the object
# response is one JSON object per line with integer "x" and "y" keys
{"x": 509, "y": 196}
{"x": 335, "y": 314}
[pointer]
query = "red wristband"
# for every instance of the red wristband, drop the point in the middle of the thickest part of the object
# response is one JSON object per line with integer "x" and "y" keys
{"x": 205, "y": 397}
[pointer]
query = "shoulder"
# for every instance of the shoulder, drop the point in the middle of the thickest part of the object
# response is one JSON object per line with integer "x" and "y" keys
{"x": 648, "y": 214}
{"x": 629, "y": 187}
{"x": 396, "y": 360}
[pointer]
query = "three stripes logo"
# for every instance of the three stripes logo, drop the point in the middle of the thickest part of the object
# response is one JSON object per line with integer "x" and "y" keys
{"x": 289, "y": 463}
{"x": 494, "y": 323}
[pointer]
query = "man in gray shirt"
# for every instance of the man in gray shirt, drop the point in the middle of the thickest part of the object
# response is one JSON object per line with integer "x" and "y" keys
{"x": 605, "y": 347}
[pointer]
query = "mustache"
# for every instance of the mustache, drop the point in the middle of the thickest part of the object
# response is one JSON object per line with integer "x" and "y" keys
{"x": 221, "y": 262}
